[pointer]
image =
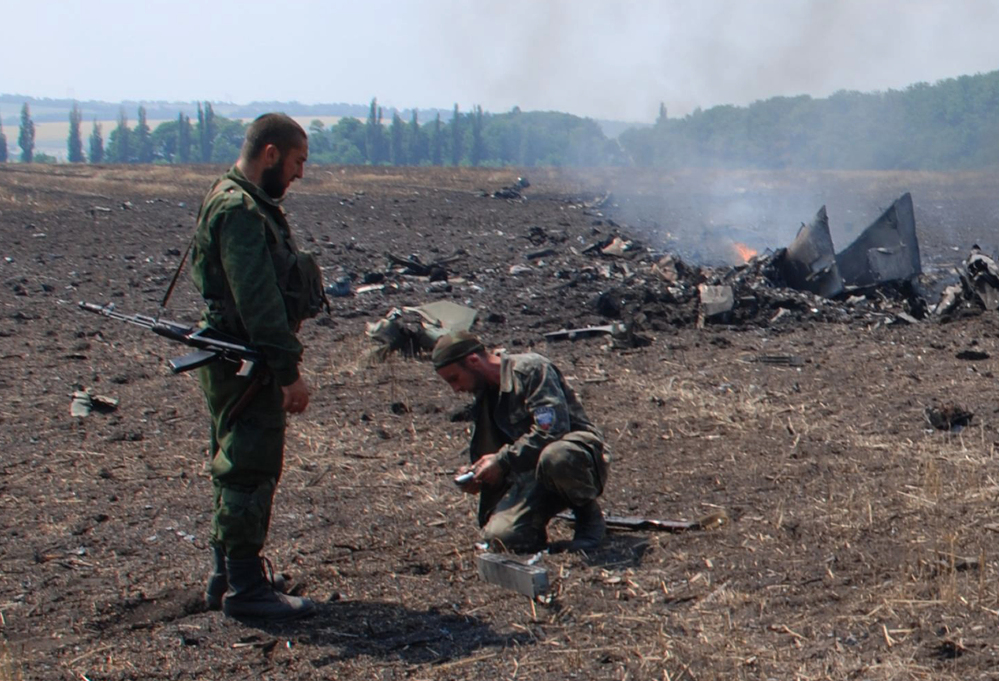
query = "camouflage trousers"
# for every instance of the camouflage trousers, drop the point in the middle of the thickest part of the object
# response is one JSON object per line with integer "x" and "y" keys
{"x": 246, "y": 458}
{"x": 571, "y": 472}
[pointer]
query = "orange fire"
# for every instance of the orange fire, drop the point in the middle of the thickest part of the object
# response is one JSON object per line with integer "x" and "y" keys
{"x": 744, "y": 252}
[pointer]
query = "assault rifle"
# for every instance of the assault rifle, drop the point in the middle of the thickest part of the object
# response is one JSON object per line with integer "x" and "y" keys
{"x": 211, "y": 346}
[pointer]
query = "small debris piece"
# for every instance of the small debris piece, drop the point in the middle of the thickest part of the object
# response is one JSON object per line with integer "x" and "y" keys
{"x": 618, "y": 522}
{"x": 984, "y": 276}
{"x": 340, "y": 288}
{"x": 948, "y": 417}
{"x": 84, "y": 403}
{"x": 782, "y": 360}
{"x": 716, "y": 300}
{"x": 81, "y": 404}
{"x": 616, "y": 247}
{"x": 972, "y": 355}
{"x": 537, "y": 255}
{"x": 509, "y": 573}
{"x": 586, "y": 332}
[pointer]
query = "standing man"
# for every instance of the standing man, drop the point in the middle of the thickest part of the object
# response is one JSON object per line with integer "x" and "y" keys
{"x": 534, "y": 452}
{"x": 259, "y": 288}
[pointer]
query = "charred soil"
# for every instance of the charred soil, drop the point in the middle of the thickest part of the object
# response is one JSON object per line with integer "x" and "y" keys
{"x": 861, "y": 541}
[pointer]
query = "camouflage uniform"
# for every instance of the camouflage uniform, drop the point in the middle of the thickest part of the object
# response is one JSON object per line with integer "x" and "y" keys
{"x": 552, "y": 455}
{"x": 241, "y": 259}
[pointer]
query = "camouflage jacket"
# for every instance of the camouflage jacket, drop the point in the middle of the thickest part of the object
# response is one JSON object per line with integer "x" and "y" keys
{"x": 240, "y": 249}
{"x": 534, "y": 407}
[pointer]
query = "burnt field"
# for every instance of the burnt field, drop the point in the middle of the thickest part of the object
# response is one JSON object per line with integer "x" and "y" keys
{"x": 861, "y": 541}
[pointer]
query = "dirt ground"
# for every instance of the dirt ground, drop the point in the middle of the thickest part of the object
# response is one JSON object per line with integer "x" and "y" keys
{"x": 861, "y": 541}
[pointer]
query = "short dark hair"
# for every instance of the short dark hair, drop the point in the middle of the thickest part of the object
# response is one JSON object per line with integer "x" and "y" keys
{"x": 278, "y": 129}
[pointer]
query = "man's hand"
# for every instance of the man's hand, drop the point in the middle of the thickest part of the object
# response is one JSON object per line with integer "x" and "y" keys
{"x": 488, "y": 470}
{"x": 296, "y": 396}
{"x": 472, "y": 486}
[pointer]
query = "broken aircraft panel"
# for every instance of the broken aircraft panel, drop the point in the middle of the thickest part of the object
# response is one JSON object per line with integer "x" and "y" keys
{"x": 886, "y": 251}
{"x": 809, "y": 263}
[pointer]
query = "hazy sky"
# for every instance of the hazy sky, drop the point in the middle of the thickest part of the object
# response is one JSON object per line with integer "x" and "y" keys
{"x": 614, "y": 59}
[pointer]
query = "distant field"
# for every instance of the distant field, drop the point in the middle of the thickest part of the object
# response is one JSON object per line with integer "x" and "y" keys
{"x": 51, "y": 136}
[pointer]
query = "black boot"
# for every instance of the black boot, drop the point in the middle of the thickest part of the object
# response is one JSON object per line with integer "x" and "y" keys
{"x": 590, "y": 527}
{"x": 251, "y": 595}
{"x": 218, "y": 580}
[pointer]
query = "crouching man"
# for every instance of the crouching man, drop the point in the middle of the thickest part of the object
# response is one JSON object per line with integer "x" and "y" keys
{"x": 533, "y": 450}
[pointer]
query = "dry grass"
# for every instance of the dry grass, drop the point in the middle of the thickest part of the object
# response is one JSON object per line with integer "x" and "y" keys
{"x": 10, "y": 668}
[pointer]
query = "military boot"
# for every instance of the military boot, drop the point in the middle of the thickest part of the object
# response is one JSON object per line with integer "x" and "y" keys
{"x": 218, "y": 580}
{"x": 252, "y": 595}
{"x": 590, "y": 527}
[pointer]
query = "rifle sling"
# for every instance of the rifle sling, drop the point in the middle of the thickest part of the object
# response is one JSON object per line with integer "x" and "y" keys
{"x": 176, "y": 275}
{"x": 261, "y": 379}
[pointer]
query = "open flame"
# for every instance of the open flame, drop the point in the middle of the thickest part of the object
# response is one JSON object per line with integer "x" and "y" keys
{"x": 744, "y": 252}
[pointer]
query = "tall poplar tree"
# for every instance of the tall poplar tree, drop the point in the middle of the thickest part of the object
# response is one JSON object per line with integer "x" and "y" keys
{"x": 398, "y": 148}
{"x": 120, "y": 141}
{"x": 74, "y": 143}
{"x": 184, "y": 138}
{"x": 96, "y": 144}
{"x": 206, "y": 131}
{"x": 478, "y": 152}
{"x": 437, "y": 143}
{"x": 26, "y": 136}
{"x": 417, "y": 142}
{"x": 374, "y": 134}
{"x": 143, "y": 139}
{"x": 456, "y": 137}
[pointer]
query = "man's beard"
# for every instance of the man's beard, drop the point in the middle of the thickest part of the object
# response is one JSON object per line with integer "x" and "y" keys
{"x": 271, "y": 180}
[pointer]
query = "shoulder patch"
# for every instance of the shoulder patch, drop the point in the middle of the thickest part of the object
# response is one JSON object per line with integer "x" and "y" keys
{"x": 544, "y": 417}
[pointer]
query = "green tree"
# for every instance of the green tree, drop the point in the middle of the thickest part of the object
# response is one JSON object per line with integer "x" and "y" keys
{"x": 143, "y": 141}
{"x": 206, "y": 131}
{"x": 119, "y": 148}
{"x": 375, "y": 134}
{"x": 419, "y": 148}
{"x": 75, "y": 141}
{"x": 183, "y": 138}
{"x": 163, "y": 140}
{"x": 349, "y": 137}
{"x": 455, "y": 137}
{"x": 96, "y": 144}
{"x": 227, "y": 140}
{"x": 437, "y": 143}
{"x": 26, "y": 136}
{"x": 3, "y": 143}
{"x": 320, "y": 140}
{"x": 478, "y": 152}
{"x": 397, "y": 133}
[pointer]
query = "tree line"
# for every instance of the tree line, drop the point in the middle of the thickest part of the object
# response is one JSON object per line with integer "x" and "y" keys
{"x": 953, "y": 124}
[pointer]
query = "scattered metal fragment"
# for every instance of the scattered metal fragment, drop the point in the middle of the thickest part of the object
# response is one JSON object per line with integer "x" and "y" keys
{"x": 982, "y": 278}
{"x": 716, "y": 301}
{"x": 508, "y": 572}
{"x": 618, "y": 522}
{"x": 84, "y": 403}
{"x": 537, "y": 255}
{"x": 585, "y": 332}
{"x": 393, "y": 334}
